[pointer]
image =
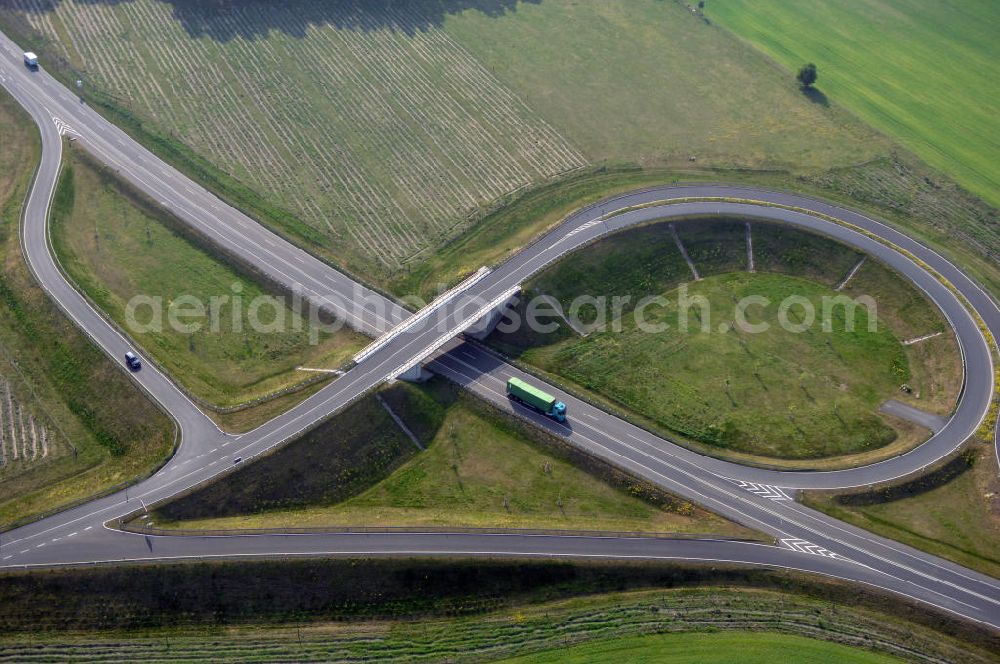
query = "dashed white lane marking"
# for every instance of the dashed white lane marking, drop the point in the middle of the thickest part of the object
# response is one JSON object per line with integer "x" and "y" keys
{"x": 8, "y": 557}
{"x": 38, "y": 546}
{"x": 804, "y": 546}
{"x": 764, "y": 490}
{"x": 583, "y": 227}
{"x": 88, "y": 527}
{"x": 214, "y": 450}
{"x": 71, "y": 535}
{"x": 26, "y": 550}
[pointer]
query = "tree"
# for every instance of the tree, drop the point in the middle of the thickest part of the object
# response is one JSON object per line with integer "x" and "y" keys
{"x": 807, "y": 75}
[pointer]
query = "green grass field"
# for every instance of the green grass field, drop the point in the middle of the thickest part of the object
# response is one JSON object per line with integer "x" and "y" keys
{"x": 956, "y": 516}
{"x": 115, "y": 248}
{"x": 778, "y": 393}
{"x": 748, "y": 647}
{"x": 647, "y": 82}
{"x": 935, "y": 367}
{"x": 774, "y": 394}
{"x": 93, "y": 428}
{"x": 922, "y": 71}
{"x": 479, "y": 469}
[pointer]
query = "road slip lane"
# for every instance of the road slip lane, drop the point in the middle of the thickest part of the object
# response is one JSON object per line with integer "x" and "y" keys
{"x": 768, "y": 508}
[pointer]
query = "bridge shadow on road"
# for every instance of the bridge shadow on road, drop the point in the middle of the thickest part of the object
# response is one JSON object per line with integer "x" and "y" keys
{"x": 484, "y": 374}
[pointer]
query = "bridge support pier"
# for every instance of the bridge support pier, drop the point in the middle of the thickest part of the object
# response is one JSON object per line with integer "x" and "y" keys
{"x": 416, "y": 374}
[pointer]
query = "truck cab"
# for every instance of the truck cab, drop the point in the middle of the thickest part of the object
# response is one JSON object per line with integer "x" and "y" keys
{"x": 559, "y": 411}
{"x": 30, "y": 60}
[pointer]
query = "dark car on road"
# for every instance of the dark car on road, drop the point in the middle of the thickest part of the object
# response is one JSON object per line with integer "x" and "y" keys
{"x": 132, "y": 361}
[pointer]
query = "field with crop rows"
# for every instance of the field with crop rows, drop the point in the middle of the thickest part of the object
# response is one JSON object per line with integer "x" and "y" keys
{"x": 374, "y": 127}
{"x": 340, "y": 610}
{"x": 25, "y": 439}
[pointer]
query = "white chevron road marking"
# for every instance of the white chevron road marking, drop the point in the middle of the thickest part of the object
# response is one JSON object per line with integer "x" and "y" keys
{"x": 764, "y": 490}
{"x": 64, "y": 128}
{"x": 804, "y": 546}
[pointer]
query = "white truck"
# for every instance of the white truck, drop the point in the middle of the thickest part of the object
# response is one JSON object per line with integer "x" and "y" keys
{"x": 30, "y": 60}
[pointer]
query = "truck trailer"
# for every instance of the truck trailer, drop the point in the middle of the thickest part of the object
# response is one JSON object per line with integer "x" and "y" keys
{"x": 531, "y": 396}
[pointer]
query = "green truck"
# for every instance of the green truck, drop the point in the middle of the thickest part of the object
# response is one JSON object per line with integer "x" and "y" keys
{"x": 531, "y": 396}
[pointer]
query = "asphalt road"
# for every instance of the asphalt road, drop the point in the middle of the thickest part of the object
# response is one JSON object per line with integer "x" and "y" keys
{"x": 759, "y": 498}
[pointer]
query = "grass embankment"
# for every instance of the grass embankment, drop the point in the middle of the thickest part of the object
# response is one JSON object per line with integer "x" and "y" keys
{"x": 935, "y": 365}
{"x": 776, "y": 393}
{"x": 952, "y": 512}
{"x": 899, "y": 191}
{"x": 922, "y": 71}
{"x": 750, "y": 648}
{"x": 401, "y": 610}
{"x": 108, "y": 431}
{"x": 117, "y": 246}
{"x": 480, "y": 469}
